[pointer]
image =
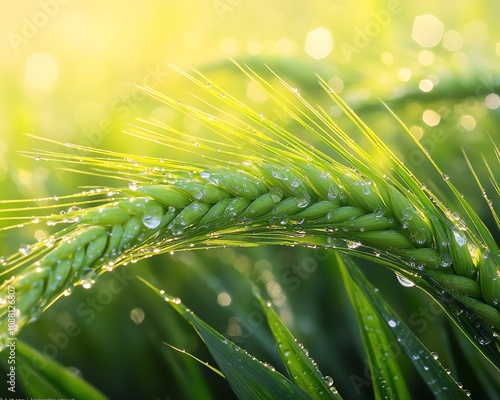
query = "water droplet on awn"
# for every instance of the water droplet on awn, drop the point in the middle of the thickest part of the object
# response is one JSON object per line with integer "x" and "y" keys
{"x": 24, "y": 250}
{"x": 353, "y": 245}
{"x": 404, "y": 282}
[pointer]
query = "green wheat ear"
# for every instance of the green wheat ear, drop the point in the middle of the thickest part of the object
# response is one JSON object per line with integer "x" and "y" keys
{"x": 273, "y": 189}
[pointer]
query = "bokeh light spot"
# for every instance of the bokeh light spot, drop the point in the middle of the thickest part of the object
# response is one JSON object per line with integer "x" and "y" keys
{"x": 404, "y": 74}
{"x": 41, "y": 71}
{"x": 427, "y": 30}
{"x": 476, "y": 33}
{"x": 492, "y": 101}
{"x": 285, "y": 47}
{"x": 468, "y": 122}
{"x": 431, "y": 117}
{"x": 460, "y": 60}
{"x": 137, "y": 315}
{"x": 336, "y": 84}
{"x": 224, "y": 299}
{"x": 417, "y": 132}
{"x": 254, "y": 48}
{"x": 387, "y": 58}
{"x": 319, "y": 43}
{"x": 453, "y": 41}
{"x": 426, "y": 85}
{"x": 426, "y": 57}
{"x": 229, "y": 45}
{"x": 255, "y": 93}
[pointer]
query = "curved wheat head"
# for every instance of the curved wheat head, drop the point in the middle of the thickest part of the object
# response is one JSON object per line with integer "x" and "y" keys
{"x": 259, "y": 184}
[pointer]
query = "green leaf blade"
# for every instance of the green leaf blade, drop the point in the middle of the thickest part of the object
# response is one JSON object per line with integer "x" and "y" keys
{"x": 53, "y": 380}
{"x": 302, "y": 369}
{"x": 248, "y": 377}
{"x": 441, "y": 384}
{"x": 388, "y": 380}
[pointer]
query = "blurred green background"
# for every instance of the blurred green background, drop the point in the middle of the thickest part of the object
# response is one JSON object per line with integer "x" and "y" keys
{"x": 70, "y": 71}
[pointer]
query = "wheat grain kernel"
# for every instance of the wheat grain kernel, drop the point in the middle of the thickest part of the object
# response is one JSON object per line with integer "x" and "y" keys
{"x": 263, "y": 204}
{"x": 342, "y": 214}
{"x": 215, "y": 213}
{"x": 131, "y": 230}
{"x": 236, "y": 185}
{"x": 203, "y": 192}
{"x": 168, "y": 195}
{"x": 108, "y": 215}
{"x": 317, "y": 210}
{"x": 460, "y": 251}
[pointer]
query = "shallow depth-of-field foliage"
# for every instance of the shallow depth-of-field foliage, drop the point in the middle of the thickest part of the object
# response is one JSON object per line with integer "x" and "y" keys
{"x": 378, "y": 321}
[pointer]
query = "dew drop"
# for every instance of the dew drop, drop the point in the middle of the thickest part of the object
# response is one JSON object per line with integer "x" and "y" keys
{"x": 333, "y": 192}
{"x": 482, "y": 340}
{"x": 434, "y": 355}
{"x": 352, "y": 244}
{"x": 295, "y": 182}
{"x": 379, "y": 212}
{"x": 152, "y": 217}
{"x": 420, "y": 235}
{"x": 328, "y": 380}
{"x": 3, "y": 261}
{"x": 445, "y": 177}
{"x": 404, "y": 281}
{"x": 392, "y": 323}
{"x": 445, "y": 259}
{"x": 87, "y": 284}
{"x": 25, "y": 250}
{"x": 303, "y": 200}
{"x": 459, "y": 238}
{"x": 205, "y": 175}
{"x": 132, "y": 186}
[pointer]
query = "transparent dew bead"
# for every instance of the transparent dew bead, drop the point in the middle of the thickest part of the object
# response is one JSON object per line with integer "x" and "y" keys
{"x": 303, "y": 200}
{"x": 404, "y": 281}
{"x": 352, "y": 244}
{"x": 152, "y": 217}
{"x": 25, "y": 250}
{"x": 445, "y": 259}
{"x": 329, "y": 380}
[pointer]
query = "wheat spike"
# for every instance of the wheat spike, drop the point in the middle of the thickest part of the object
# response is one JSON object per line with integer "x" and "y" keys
{"x": 289, "y": 194}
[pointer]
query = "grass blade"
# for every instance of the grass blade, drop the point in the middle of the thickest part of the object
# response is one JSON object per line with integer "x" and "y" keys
{"x": 441, "y": 384}
{"x": 301, "y": 368}
{"x": 387, "y": 378}
{"x": 248, "y": 377}
{"x": 51, "y": 381}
